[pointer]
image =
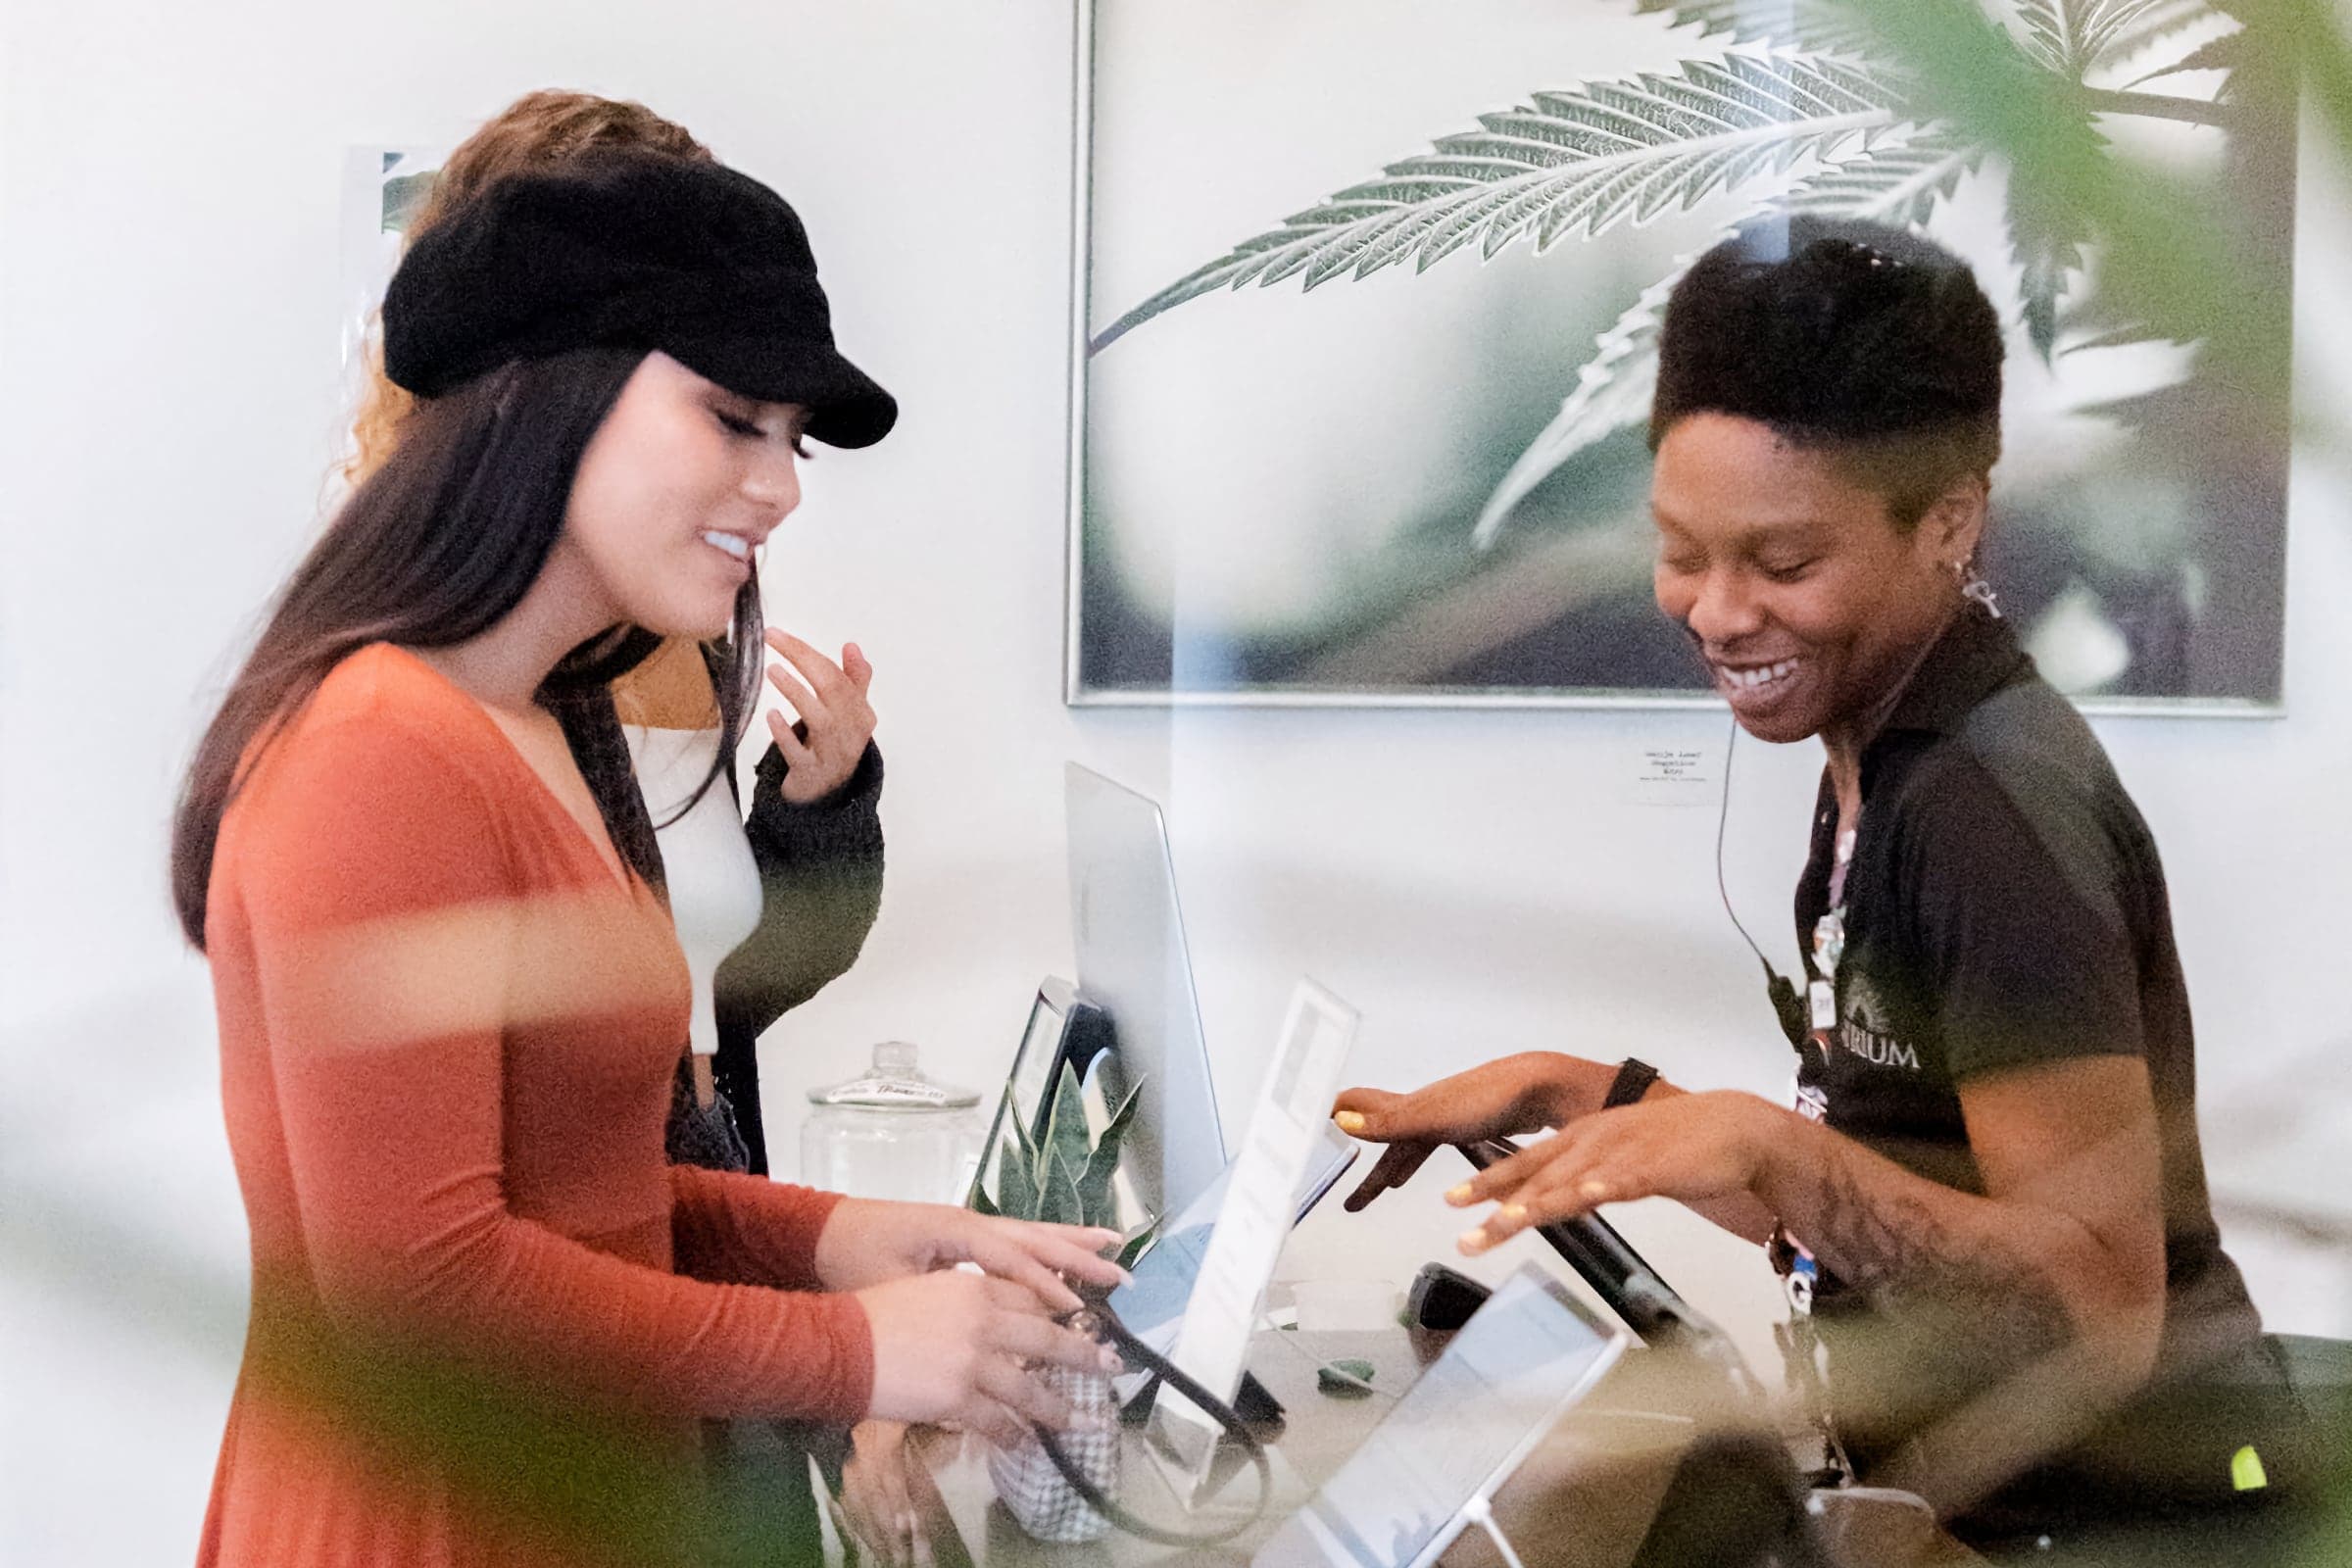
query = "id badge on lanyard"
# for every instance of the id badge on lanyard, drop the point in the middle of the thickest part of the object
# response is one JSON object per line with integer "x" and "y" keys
{"x": 1799, "y": 1340}
{"x": 1828, "y": 951}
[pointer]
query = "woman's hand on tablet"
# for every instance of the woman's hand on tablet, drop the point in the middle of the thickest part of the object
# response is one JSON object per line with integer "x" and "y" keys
{"x": 961, "y": 1349}
{"x": 1699, "y": 1149}
{"x": 868, "y": 1242}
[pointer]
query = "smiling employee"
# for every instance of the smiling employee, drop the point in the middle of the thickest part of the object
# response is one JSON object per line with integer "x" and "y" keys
{"x": 1989, "y": 1189}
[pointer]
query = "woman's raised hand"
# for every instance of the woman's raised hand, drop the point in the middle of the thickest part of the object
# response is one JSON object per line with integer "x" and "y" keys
{"x": 836, "y": 721}
{"x": 1500, "y": 1098}
{"x": 960, "y": 1349}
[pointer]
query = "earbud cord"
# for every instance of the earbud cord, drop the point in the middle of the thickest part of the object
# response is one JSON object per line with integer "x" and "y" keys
{"x": 1723, "y": 826}
{"x": 1785, "y": 1004}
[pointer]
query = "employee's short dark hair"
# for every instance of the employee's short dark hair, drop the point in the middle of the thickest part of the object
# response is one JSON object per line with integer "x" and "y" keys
{"x": 1871, "y": 343}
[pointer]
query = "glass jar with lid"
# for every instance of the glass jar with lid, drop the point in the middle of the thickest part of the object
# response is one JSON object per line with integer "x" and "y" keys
{"x": 891, "y": 1131}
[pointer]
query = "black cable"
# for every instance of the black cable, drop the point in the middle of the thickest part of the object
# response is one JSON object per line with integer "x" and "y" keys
{"x": 1106, "y": 1326}
{"x": 1786, "y": 1006}
{"x": 1723, "y": 828}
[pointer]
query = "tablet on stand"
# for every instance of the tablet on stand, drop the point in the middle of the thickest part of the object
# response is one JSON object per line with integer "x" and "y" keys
{"x": 1431, "y": 1467}
{"x": 1212, "y": 1343}
{"x": 1152, "y": 1304}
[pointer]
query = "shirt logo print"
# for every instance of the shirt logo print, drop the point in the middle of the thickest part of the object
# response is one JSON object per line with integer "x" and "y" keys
{"x": 1880, "y": 1051}
{"x": 1875, "y": 1046}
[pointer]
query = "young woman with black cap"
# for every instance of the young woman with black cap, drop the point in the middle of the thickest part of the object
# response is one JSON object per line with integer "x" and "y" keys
{"x": 805, "y": 877}
{"x": 450, "y": 1004}
{"x": 1988, "y": 1192}
{"x": 769, "y": 906}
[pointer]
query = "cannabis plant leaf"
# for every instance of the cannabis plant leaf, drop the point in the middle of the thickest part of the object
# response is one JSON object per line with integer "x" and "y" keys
{"x": 2226, "y": 53}
{"x": 2072, "y": 35}
{"x": 1820, "y": 27}
{"x": 1613, "y": 389}
{"x": 404, "y": 196}
{"x": 1898, "y": 186}
{"x": 1569, "y": 163}
{"x": 2046, "y": 237}
{"x": 2154, "y": 24}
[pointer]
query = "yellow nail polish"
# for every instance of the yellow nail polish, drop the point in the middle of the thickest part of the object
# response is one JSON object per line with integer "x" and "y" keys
{"x": 1515, "y": 1213}
{"x": 1458, "y": 1195}
{"x": 1594, "y": 1190}
{"x": 1474, "y": 1241}
{"x": 1349, "y": 1121}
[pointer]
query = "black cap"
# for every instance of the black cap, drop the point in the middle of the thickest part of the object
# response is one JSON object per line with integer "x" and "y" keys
{"x": 630, "y": 250}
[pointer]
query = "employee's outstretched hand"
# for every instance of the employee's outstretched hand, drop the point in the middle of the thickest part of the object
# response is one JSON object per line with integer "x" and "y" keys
{"x": 837, "y": 720}
{"x": 1500, "y": 1098}
{"x": 1695, "y": 1147}
{"x": 868, "y": 1240}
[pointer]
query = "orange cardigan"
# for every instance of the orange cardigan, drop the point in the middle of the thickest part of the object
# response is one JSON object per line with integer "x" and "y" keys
{"x": 447, "y": 1038}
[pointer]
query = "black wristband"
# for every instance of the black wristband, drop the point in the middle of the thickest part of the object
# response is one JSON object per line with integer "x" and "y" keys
{"x": 1633, "y": 1081}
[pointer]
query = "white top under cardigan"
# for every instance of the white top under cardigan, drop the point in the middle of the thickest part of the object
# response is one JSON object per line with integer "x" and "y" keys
{"x": 715, "y": 894}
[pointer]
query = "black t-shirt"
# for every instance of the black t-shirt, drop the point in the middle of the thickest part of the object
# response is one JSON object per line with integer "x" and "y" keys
{"x": 2004, "y": 907}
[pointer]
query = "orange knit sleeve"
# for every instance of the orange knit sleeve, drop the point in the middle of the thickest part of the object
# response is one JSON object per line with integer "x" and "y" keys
{"x": 747, "y": 1230}
{"x": 383, "y": 917}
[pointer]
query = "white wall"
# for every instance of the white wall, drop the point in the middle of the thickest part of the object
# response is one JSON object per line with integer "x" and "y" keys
{"x": 1475, "y": 882}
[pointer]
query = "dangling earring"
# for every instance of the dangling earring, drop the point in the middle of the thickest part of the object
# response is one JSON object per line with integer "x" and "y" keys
{"x": 1975, "y": 589}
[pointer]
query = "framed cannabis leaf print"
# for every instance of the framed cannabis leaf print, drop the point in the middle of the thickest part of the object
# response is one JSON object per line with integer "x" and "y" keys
{"x": 1367, "y": 305}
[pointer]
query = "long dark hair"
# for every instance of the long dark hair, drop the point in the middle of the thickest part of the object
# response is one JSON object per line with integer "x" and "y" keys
{"x": 438, "y": 546}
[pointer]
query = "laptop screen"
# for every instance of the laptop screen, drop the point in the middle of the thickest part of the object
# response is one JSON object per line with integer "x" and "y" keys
{"x": 1128, "y": 933}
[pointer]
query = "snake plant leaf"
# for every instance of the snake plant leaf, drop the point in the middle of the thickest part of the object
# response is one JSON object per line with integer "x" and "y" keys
{"x": 1571, "y": 162}
{"x": 1136, "y": 1242}
{"x": 1098, "y": 1200}
{"x": 1017, "y": 1180}
{"x": 1032, "y": 1163}
{"x": 1058, "y": 1203}
{"x": 1097, "y": 1197}
{"x": 1067, "y": 1138}
{"x": 982, "y": 1204}
{"x": 1823, "y": 26}
{"x": 1897, "y": 186}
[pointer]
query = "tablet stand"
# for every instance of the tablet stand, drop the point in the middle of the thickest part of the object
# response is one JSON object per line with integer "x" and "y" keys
{"x": 1252, "y": 1403}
